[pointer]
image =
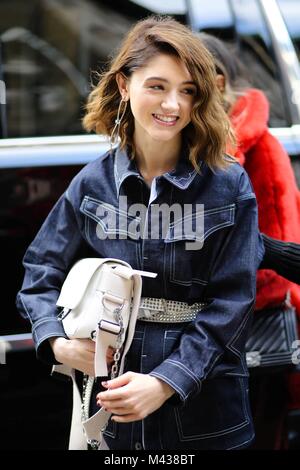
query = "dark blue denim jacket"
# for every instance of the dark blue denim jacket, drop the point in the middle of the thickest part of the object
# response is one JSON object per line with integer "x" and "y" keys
{"x": 203, "y": 360}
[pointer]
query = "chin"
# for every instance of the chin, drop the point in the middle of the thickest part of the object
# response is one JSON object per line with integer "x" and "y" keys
{"x": 164, "y": 136}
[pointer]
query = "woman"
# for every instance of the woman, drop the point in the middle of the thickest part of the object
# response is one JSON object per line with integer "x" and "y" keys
{"x": 186, "y": 385}
{"x": 278, "y": 200}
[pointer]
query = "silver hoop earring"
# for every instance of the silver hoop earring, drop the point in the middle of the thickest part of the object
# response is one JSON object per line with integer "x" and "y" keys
{"x": 115, "y": 132}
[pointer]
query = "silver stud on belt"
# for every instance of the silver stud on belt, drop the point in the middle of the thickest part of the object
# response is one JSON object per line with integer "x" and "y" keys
{"x": 167, "y": 311}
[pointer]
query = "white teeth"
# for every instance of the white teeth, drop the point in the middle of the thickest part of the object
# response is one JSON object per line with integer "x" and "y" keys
{"x": 165, "y": 118}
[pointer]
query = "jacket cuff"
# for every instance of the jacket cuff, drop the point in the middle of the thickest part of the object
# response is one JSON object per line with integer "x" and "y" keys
{"x": 43, "y": 330}
{"x": 179, "y": 377}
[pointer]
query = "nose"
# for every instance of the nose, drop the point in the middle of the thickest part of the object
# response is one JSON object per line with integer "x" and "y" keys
{"x": 170, "y": 103}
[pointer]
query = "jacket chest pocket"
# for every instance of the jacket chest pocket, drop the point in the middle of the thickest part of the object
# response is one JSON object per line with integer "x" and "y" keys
{"x": 111, "y": 231}
{"x": 192, "y": 244}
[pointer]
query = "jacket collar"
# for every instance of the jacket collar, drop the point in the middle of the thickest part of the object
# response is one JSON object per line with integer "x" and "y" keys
{"x": 181, "y": 177}
{"x": 123, "y": 168}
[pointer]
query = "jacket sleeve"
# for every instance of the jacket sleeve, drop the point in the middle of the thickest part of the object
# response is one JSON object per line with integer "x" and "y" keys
{"x": 214, "y": 342}
{"x": 47, "y": 261}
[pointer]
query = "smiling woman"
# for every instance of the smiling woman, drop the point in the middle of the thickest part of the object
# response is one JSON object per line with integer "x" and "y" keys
{"x": 185, "y": 382}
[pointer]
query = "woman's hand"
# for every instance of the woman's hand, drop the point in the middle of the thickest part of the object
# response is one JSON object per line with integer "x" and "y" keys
{"x": 132, "y": 396}
{"x": 77, "y": 353}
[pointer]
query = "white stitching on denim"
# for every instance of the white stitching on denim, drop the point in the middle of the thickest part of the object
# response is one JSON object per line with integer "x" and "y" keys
{"x": 87, "y": 228}
{"x": 172, "y": 331}
{"x": 217, "y": 227}
{"x": 106, "y": 230}
{"x": 176, "y": 387}
{"x": 116, "y": 174}
{"x": 236, "y": 375}
{"x": 186, "y": 217}
{"x": 230, "y": 209}
{"x": 213, "y": 364}
{"x": 175, "y": 180}
{"x": 189, "y": 283}
{"x": 184, "y": 178}
{"x": 143, "y": 434}
{"x": 243, "y": 392}
{"x": 206, "y": 234}
{"x": 108, "y": 206}
{"x": 138, "y": 254}
{"x": 25, "y": 308}
{"x": 216, "y": 210}
{"x": 165, "y": 271}
{"x": 67, "y": 195}
{"x": 172, "y": 255}
{"x": 242, "y": 443}
{"x": 171, "y": 338}
{"x": 46, "y": 336}
{"x": 124, "y": 176}
{"x": 142, "y": 347}
{"x": 172, "y": 271}
{"x": 238, "y": 332}
{"x": 131, "y": 436}
{"x": 186, "y": 370}
{"x": 196, "y": 437}
{"x": 246, "y": 196}
{"x": 45, "y": 320}
{"x": 217, "y": 433}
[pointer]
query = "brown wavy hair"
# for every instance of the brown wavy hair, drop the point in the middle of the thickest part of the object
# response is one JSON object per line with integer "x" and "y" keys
{"x": 209, "y": 130}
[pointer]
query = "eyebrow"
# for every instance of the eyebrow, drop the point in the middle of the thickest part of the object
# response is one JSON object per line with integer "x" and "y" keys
{"x": 188, "y": 82}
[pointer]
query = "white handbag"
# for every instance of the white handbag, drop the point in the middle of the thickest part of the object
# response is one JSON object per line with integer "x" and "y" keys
{"x": 100, "y": 299}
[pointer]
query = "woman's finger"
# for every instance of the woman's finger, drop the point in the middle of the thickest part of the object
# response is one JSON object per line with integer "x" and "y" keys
{"x": 120, "y": 381}
{"x": 117, "y": 394}
{"x": 114, "y": 404}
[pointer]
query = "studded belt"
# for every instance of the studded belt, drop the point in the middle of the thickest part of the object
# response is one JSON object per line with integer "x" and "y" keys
{"x": 167, "y": 311}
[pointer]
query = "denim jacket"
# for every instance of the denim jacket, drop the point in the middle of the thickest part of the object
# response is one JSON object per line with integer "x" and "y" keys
{"x": 203, "y": 360}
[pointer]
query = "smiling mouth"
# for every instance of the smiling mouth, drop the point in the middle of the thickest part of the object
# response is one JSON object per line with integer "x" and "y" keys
{"x": 169, "y": 120}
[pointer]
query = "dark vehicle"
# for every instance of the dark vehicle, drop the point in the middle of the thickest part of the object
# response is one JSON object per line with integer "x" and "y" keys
{"x": 48, "y": 49}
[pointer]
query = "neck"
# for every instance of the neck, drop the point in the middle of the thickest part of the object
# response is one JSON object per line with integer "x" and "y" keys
{"x": 156, "y": 158}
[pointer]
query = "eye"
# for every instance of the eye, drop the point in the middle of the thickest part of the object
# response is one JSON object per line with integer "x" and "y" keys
{"x": 189, "y": 91}
{"x": 156, "y": 87}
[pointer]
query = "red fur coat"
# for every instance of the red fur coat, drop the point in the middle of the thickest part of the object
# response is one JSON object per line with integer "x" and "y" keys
{"x": 278, "y": 197}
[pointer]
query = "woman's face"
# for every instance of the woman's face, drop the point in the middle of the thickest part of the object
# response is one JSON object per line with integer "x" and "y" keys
{"x": 161, "y": 98}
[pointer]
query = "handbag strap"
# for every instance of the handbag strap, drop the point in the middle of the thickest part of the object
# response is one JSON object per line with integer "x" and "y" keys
{"x": 95, "y": 425}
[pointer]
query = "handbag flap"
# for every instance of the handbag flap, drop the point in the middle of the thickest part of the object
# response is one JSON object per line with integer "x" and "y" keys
{"x": 78, "y": 280}
{"x": 270, "y": 342}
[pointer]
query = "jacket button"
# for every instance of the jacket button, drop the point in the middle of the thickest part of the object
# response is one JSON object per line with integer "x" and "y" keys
{"x": 138, "y": 446}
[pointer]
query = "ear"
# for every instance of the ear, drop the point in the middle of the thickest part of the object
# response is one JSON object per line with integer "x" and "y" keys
{"x": 221, "y": 82}
{"x": 122, "y": 83}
